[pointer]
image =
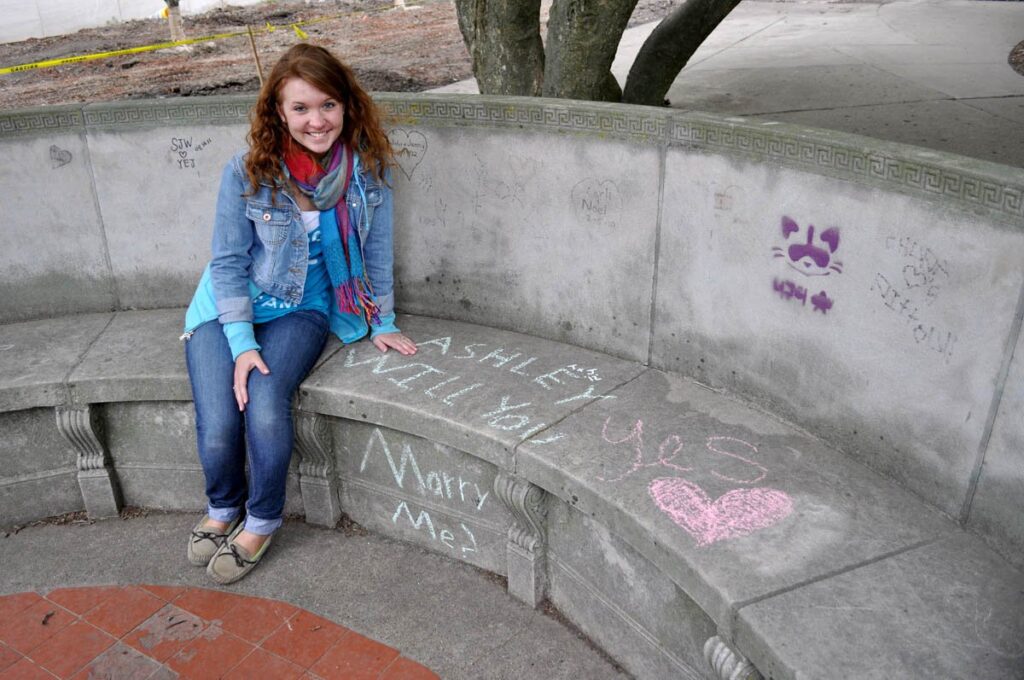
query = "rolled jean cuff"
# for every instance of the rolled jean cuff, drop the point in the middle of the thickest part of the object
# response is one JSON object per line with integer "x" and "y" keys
{"x": 261, "y": 527}
{"x": 223, "y": 514}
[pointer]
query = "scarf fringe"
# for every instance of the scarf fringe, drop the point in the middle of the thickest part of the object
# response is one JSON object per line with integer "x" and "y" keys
{"x": 353, "y": 299}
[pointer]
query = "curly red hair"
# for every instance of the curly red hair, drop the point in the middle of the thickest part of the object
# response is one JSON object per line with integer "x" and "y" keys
{"x": 268, "y": 134}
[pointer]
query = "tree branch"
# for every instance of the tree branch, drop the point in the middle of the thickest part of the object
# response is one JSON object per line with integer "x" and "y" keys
{"x": 670, "y": 46}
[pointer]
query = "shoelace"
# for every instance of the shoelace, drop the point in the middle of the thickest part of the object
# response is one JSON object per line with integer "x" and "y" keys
{"x": 209, "y": 536}
{"x": 239, "y": 560}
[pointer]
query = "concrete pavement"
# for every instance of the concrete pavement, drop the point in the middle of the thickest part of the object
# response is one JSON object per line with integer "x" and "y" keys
{"x": 932, "y": 73}
{"x": 456, "y": 620}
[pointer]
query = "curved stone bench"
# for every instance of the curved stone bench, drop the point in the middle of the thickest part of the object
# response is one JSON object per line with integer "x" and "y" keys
{"x": 851, "y": 309}
{"x": 670, "y": 521}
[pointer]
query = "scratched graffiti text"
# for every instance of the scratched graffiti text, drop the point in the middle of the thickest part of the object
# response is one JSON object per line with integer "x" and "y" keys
{"x": 184, "y": 150}
{"x": 908, "y": 289}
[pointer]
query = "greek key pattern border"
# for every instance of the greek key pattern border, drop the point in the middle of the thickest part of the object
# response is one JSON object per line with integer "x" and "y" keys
{"x": 995, "y": 188}
{"x": 41, "y": 121}
{"x": 188, "y": 112}
{"x": 639, "y": 125}
{"x": 872, "y": 166}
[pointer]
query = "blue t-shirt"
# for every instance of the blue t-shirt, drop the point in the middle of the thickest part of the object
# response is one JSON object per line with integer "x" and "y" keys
{"x": 316, "y": 292}
{"x": 315, "y": 295}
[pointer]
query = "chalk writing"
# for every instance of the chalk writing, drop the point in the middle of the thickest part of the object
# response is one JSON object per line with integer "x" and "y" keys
{"x": 436, "y": 483}
{"x": 59, "y": 157}
{"x": 667, "y": 452}
{"x": 572, "y": 370}
{"x": 549, "y": 439}
{"x": 410, "y": 147}
{"x": 183, "y": 151}
{"x": 670, "y": 449}
{"x": 559, "y": 385}
{"x": 597, "y": 201}
{"x": 734, "y": 514}
{"x": 465, "y": 542}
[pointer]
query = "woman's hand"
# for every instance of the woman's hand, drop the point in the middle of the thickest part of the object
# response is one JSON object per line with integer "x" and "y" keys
{"x": 395, "y": 341}
{"x": 245, "y": 362}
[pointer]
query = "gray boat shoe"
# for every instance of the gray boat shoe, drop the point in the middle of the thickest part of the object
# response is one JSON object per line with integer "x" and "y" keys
{"x": 231, "y": 561}
{"x": 203, "y": 542}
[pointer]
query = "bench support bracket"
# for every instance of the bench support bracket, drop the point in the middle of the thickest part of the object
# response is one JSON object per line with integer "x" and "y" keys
{"x": 726, "y": 663}
{"x": 526, "y": 550}
{"x": 81, "y": 427}
{"x": 319, "y": 485}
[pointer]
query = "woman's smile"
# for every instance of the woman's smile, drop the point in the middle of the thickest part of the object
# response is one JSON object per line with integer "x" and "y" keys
{"x": 314, "y": 118}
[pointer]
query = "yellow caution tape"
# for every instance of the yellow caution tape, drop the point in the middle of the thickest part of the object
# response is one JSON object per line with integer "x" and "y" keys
{"x": 116, "y": 53}
{"x": 49, "y": 63}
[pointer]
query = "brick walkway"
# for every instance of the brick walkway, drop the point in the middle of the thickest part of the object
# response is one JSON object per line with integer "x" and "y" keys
{"x": 160, "y": 632}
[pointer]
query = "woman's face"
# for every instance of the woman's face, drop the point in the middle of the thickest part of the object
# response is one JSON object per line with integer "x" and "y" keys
{"x": 314, "y": 118}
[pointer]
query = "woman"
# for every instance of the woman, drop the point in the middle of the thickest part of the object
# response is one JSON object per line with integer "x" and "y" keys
{"x": 302, "y": 245}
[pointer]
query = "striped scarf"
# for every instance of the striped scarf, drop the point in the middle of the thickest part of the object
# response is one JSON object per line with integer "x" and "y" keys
{"x": 327, "y": 188}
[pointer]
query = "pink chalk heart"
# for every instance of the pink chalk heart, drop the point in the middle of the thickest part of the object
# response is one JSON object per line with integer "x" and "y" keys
{"x": 733, "y": 514}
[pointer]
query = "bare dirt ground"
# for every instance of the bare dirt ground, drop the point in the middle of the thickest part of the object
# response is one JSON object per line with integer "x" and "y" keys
{"x": 390, "y": 49}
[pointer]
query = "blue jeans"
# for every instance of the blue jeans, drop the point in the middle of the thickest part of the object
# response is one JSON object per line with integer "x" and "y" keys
{"x": 290, "y": 346}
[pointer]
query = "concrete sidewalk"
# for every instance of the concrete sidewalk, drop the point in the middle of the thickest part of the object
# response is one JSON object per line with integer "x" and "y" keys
{"x": 456, "y": 620}
{"x": 932, "y": 73}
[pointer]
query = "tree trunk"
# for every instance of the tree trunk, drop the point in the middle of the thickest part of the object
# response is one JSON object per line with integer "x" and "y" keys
{"x": 583, "y": 36}
{"x": 669, "y": 47}
{"x": 503, "y": 39}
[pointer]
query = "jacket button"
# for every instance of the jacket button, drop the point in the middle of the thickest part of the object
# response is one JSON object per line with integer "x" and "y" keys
{"x": 266, "y": 217}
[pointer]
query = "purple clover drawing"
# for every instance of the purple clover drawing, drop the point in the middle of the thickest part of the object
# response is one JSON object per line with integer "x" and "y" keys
{"x": 821, "y": 302}
{"x": 810, "y": 257}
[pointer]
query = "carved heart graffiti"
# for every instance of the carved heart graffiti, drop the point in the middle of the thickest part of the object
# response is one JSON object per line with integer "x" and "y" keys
{"x": 410, "y": 147}
{"x": 59, "y": 157}
{"x": 597, "y": 201}
{"x": 736, "y": 513}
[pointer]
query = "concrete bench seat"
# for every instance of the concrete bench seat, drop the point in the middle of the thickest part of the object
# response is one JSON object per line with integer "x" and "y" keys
{"x": 732, "y": 394}
{"x": 681, "y": 528}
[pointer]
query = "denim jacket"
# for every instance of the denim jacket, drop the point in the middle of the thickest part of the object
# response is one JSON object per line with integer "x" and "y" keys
{"x": 265, "y": 242}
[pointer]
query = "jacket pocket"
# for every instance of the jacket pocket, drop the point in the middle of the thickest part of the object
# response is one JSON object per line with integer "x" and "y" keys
{"x": 272, "y": 223}
{"x": 374, "y": 197}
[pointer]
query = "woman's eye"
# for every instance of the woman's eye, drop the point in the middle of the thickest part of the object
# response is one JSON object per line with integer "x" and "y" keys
{"x": 330, "y": 105}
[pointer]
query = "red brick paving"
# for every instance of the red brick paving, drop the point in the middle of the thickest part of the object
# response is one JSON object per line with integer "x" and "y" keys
{"x": 7, "y": 656}
{"x": 355, "y": 657}
{"x": 174, "y": 632}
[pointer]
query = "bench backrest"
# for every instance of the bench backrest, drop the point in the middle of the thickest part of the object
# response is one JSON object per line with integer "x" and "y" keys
{"x": 867, "y": 291}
